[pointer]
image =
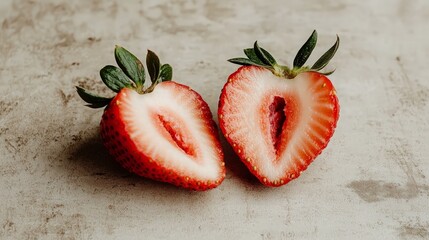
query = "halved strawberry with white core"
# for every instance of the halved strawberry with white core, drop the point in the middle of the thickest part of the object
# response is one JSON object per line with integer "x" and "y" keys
{"x": 164, "y": 132}
{"x": 278, "y": 119}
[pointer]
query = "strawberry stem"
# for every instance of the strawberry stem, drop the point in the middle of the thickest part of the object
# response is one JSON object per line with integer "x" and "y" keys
{"x": 280, "y": 71}
{"x": 130, "y": 74}
{"x": 258, "y": 56}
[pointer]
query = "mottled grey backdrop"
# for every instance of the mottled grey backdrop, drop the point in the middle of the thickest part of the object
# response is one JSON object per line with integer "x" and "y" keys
{"x": 57, "y": 182}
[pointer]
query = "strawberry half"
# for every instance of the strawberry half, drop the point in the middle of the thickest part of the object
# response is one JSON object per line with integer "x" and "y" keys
{"x": 165, "y": 131}
{"x": 278, "y": 119}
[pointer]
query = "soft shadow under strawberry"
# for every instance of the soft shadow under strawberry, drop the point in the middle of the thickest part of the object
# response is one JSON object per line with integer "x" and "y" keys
{"x": 90, "y": 156}
{"x": 234, "y": 165}
{"x": 90, "y": 161}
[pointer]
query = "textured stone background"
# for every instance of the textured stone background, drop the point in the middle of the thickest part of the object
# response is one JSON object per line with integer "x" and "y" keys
{"x": 57, "y": 182}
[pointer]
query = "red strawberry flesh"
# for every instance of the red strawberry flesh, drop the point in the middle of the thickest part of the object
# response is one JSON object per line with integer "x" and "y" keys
{"x": 277, "y": 126}
{"x": 166, "y": 135}
{"x": 277, "y": 119}
{"x": 177, "y": 132}
{"x": 163, "y": 131}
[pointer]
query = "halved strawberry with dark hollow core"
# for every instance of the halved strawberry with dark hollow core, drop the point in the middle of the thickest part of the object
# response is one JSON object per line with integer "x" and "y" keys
{"x": 278, "y": 119}
{"x": 165, "y": 131}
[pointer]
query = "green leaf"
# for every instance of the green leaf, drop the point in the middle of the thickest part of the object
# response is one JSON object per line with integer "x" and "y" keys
{"x": 130, "y": 64}
{"x": 263, "y": 55}
{"x": 305, "y": 51}
{"x": 153, "y": 65}
{"x": 245, "y": 61}
{"x": 97, "y": 105}
{"x": 114, "y": 78}
{"x": 269, "y": 57}
{"x": 166, "y": 73}
{"x": 250, "y": 53}
{"x": 93, "y": 100}
{"x": 326, "y": 57}
{"x": 328, "y": 73}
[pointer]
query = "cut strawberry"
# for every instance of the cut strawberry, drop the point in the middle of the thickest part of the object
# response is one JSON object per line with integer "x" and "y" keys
{"x": 164, "y": 132}
{"x": 278, "y": 119}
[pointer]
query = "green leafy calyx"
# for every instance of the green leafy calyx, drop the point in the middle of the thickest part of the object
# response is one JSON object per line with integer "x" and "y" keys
{"x": 129, "y": 74}
{"x": 258, "y": 56}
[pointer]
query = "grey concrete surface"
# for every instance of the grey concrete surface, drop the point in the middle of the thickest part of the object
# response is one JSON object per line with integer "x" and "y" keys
{"x": 57, "y": 182}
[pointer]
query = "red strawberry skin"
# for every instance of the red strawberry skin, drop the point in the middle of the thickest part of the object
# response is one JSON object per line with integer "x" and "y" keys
{"x": 277, "y": 126}
{"x": 144, "y": 156}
